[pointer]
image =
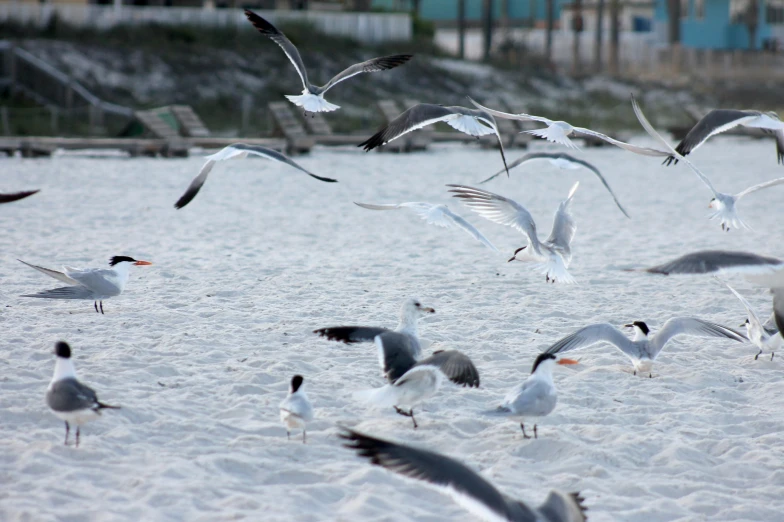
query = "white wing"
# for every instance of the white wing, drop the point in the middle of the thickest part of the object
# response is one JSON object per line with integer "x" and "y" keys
{"x": 691, "y": 326}
{"x": 756, "y": 329}
{"x": 655, "y": 135}
{"x": 521, "y": 116}
{"x": 563, "y": 224}
{"x": 764, "y": 121}
{"x": 590, "y": 335}
{"x": 469, "y": 125}
{"x": 554, "y": 134}
{"x": 60, "y": 276}
{"x": 755, "y": 188}
{"x": 645, "y": 151}
{"x": 499, "y": 209}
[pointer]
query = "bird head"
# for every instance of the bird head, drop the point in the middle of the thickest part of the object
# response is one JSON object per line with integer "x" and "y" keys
{"x": 116, "y": 260}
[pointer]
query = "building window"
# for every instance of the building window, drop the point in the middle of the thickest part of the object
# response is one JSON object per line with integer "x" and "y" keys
{"x": 685, "y": 8}
{"x": 699, "y": 9}
{"x": 774, "y": 12}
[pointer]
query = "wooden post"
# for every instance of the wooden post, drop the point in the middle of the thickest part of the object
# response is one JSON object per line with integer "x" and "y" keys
{"x": 4, "y": 121}
{"x": 246, "y": 104}
{"x": 597, "y": 50}
{"x": 577, "y": 28}
{"x": 615, "y": 13}
{"x": 487, "y": 21}
{"x": 53, "y": 120}
{"x": 461, "y": 27}
{"x": 550, "y": 25}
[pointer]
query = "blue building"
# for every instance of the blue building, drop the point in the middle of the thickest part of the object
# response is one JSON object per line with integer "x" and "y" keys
{"x": 721, "y": 24}
{"x": 445, "y": 11}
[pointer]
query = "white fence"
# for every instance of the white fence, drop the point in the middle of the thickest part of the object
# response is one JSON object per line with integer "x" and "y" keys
{"x": 364, "y": 27}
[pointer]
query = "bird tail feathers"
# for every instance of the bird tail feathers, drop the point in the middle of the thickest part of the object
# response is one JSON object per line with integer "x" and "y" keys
{"x": 312, "y": 102}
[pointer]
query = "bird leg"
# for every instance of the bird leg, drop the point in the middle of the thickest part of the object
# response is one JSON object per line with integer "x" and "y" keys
{"x": 288, "y": 435}
{"x": 760, "y": 353}
{"x": 409, "y": 413}
{"x": 95, "y": 304}
{"x": 547, "y": 277}
{"x": 101, "y": 307}
{"x": 67, "y": 429}
{"x": 525, "y": 436}
{"x": 77, "y": 436}
{"x": 304, "y": 436}
{"x": 535, "y": 435}
{"x": 771, "y": 355}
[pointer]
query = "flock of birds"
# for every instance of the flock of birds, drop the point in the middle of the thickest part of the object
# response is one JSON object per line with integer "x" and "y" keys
{"x": 412, "y": 377}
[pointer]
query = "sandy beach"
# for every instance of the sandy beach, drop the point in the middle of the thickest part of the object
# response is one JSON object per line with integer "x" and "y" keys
{"x": 200, "y": 348}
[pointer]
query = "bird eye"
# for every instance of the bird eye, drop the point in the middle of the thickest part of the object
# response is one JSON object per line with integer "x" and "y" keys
{"x": 417, "y": 305}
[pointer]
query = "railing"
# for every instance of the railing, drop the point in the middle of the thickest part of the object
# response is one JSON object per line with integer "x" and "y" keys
{"x": 364, "y": 27}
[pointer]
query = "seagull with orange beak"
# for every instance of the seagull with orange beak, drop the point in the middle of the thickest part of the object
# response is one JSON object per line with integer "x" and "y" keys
{"x": 95, "y": 284}
{"x": 535, "y": 396}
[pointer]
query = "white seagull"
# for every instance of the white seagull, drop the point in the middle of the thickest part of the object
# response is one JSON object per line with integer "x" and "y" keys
{"x": 95, "y": 284}
{"x": 758, "y": 335}
{"x": 560, "y": 131}
{"x": 723, "y": 204}
{"x": 16, "y": 196}
{"x": 238, "y": 151}
{"x": 438, "y": 215}
{"x": 70, "y": 400}
{"x": 296, "y": 410}
{"x": 563, "y": 161}
{"x": 555, "y": 253}
{"x": 468, "y": 121}
{"x": 463, "y": 485}
{"x": 312, "y": 98}
{"x": 761, "y": 270}
{"x": 535, "y": 396}
{"x": 411, "y": 382}
{"x": 410, "y": 313}
{"x": 642, "y": 350}
{"x": 722, "y": 120}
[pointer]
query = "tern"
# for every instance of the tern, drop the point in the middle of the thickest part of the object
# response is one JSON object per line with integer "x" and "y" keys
{"x": 238, "y": 151}
{"x": 95, "y": 284}
{"x": 560, "y": 131}
{"x": 723, "y": 204}
{"x": 555, "y": 253}
{"x": 70, "y": 400}
{"x": 410, "y": 313}
{"x": 722, "y": 120}
{"x": 312, "y": 98}
{"x": 643, "y": 349}
{"x": 535, "y": 396}
{"x": 463, "y": 485}
{"x": 296, "y": 410}
{"x": 758, "y": 335}
{"x": 564, "y": 161}
{"x": 412, "y": 382}
{"x": 438, "y": 215}
{"x": 468, "y": 121}
{"x": 761, "y": 270}
{"x": 8, "y": 198}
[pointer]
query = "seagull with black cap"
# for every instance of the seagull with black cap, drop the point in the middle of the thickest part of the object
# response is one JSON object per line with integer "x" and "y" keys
{"x": 95, "y": 284}
{"x": 70, "y": 400}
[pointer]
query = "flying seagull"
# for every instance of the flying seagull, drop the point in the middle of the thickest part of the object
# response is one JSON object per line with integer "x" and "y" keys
{"x": 555, "y": 253}
{"x": 438, "y": 215}
{"x": 535, "y": 396}
{"x": 560, "y": 131}
{"x": 468, "y": 121}
{"x": 411, "y": 382}
{"x": 465, "y": 486}
{"x": 643, "y": 349}
{"x": 296, "y": 410}
{"x": 723, "y": 204}
{"x": 761, "y": 270}
{"x": 765, "y": 341}
{"x": 238, "y": 151}
{"x": 564, "y": 161}
{"x": 70, "y": 400}
{"x": 312, "y": 98}
{"x": 8, "y": 198}
{"x": 410, "y": 313}
{"x": 95, "y": 284}
{"x": 722, "y": 120}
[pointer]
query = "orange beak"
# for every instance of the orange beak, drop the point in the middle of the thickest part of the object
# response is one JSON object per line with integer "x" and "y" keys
{"x": 568, "y": 361}
{"x": 142, "y": 263}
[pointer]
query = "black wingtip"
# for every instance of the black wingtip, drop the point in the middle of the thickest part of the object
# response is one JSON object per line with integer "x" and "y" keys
{"x": 8, "y": 198}
{"x": 186, "y": 198}
{"x": 327, "y": 180}
{"x": 263, "y": 26}
{"x": 374, "y": 141}
{"x": 390, "y": 62}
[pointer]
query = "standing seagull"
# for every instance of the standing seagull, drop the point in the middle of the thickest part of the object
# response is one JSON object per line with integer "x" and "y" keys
{"x": 410, "y": 313}
{"x": 468, "y": 121}
{"x": 412, "y": 382}
{"x": 70, "y": 400}
{"x": 723, "y": 204}
{"x": 238, "y": 151}
{"x": 95, "y": 284}
{"x": 312, "y": 98}
{"x": 465, "y": 486}
{"x": 535, "y": 396}
{"x": 642, "y": 350}
{"x": 438, "y": 215}
{"x": 559, "y": 132}
{"x": 296, "y": 410}
{"x": 722, "y": 120}
{"x": 555, "y": 252}
{"x": 8, "y": 198}
{"x": 563, "y": 161}
{"x": 761, "y": 338}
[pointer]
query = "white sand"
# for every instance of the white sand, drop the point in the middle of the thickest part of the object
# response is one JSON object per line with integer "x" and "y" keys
{"x": 200, "y": 349}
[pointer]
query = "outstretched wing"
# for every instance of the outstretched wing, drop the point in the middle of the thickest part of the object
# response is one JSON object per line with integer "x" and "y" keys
{"x": 694, "y": 327}
{"x": 715, "y": 122}
{"x": 508, "y": 116}
{"x": 382, "y": 63}
{"x": 756, "y": 329}
{"x": 413, "y": 118}
{"x": 457, "y": 367}
{"x": 755, "y": 188}
{"x": 269, "y": 30}
{"x": 563, "y": 224}
{"x": 719, "y": 261}
{"x": 64, "y": 292}
{"x": 8, "y": 198}
{"x": 53, "y": 273}
{"x": 590, "y": 335}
